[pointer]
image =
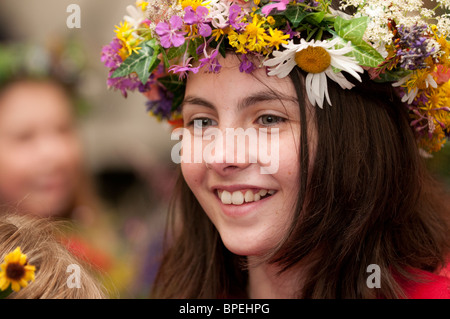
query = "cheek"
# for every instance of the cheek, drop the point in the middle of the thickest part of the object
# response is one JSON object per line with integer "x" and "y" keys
{"x": 289, "y": 161}
{"x": 194, "y": 175}
{"x": 72, "y": 154}
{"x": 16, "y": 172}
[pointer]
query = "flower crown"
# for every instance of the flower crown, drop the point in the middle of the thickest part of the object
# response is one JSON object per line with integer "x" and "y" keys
{"x": 64, "y": 61}
{"x": 160, "y": 41}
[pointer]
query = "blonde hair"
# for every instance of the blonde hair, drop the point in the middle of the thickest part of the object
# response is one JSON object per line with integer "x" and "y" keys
{"x": 37, "y": 238}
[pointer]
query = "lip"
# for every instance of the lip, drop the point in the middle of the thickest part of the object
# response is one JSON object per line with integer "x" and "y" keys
{"x": 245, "y": 208}
{"x": 51, "y": 184}
{"x": 233, "y": 188}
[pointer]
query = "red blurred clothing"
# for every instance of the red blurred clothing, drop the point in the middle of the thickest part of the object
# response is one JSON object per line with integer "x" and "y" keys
{"x": 431, "y": 286}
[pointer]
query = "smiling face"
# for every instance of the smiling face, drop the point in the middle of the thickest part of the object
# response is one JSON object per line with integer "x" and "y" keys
{"x": 249, "y": 209}
{"x": 40, "y": 153}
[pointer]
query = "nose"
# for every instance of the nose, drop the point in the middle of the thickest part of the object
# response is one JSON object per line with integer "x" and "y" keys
{"x": 55, "y": 152}
{"x": 229, "y": 152}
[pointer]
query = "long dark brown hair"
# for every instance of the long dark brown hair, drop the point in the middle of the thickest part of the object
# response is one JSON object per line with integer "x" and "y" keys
{"x": 367, "y": 198}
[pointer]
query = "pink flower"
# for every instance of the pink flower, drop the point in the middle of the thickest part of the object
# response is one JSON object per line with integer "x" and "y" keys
{"x": 198, "y": 17}
{"x": 442, "y": 74}
{"x": 170, "y": 33}
{"x": 281, "y": 6}
{"x": 182, "y": 70}
{"x": 246, "y": 4}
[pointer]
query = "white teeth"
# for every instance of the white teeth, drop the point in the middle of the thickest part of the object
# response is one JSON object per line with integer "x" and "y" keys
{"x": 226, "y": 197}
{"x": 248, "y": 196}
{"x": 238, "y": 198}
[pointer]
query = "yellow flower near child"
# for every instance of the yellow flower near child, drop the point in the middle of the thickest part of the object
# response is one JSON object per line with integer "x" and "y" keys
{"x": 16, "y": 271}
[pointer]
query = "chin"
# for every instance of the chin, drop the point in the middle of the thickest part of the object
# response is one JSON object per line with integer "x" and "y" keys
{"x": 243, "y": 246}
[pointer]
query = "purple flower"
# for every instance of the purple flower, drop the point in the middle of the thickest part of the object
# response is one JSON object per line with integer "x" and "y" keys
{"x": 413, "y": 47}
{"x": 200, "y": 48}
{"x": 110, "y": 54}
{"x": 170, "y": 34}
{"x": 288, "y": 30}
{"x": 123, "y": 84}
{"x": 235, "y": 12}
{"x": 198, "y": 17}
{"x": 212, "y": 62}
{"x": 246, "y": 65}
{"x": 182, "y": 70}
{"x": 163, "y": 107}
{"x": 280, "y": 6}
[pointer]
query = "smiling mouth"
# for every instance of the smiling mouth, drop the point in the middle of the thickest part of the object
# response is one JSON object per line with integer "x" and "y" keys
{"x": 243, "y": 196}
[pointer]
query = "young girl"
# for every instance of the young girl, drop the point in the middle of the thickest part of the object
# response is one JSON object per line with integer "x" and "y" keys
{"x": 349, "y": 193}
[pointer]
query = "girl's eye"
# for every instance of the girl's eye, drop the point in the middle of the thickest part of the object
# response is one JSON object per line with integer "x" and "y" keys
{"x": 270, "y": 119}
{"x": 203, "y": 123}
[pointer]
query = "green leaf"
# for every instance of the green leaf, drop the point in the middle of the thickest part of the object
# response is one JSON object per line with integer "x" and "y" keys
{"x": 175, "y": 52}
{"x": 391, "y": 76}
{"x": 351, "y": 30}
{"x": 315, "y": 17}
{"x": 171, "y": 82}
{"x": 295, "y": 14}
{"x": 141, "y": 62}
{"x": 365, "y": 54}
{"x": 5, "y": 293}
{"x": 176, "y": 86}
{"x": 165, "y": 59}
{"x": 193, "y": 45}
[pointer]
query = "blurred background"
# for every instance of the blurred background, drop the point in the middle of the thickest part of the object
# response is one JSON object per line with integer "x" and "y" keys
{"x": 125, "y": 152}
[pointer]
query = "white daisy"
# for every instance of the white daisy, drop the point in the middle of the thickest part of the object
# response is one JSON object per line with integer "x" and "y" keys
{"x": 318, "y": 58}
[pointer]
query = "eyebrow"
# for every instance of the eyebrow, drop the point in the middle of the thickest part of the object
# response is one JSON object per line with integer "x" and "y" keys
{"x": 252, "y": 99}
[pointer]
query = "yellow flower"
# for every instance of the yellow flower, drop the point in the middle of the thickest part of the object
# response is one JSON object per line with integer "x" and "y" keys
{"x": 123, "y": 31}
{"x": 237, "y": 41}
{"x": 444, "y": 47}
{"x": 217, "y": 33}
{"x": 252, "y": 39}
{"x": 129, "y": 43}
{"x": 435, "y": 142}
{"x": 270, "y": 20}
{"x": 276, "y": 38}
{"x": 191, "y": 3}
{"x": 436, "y": 97}
{"x": 142, "y": 4}
{"x": 16, "y": 271}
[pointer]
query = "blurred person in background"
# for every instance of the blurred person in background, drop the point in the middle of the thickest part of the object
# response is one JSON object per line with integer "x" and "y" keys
{"x": 42, "y": 169}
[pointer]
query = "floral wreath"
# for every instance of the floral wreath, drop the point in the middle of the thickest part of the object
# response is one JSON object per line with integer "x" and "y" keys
{"x": 160, "y": 41}
{"x": 63, "y": 60}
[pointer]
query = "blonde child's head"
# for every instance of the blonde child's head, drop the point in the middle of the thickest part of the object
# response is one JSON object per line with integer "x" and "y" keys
{"x": 37, "y": 239}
